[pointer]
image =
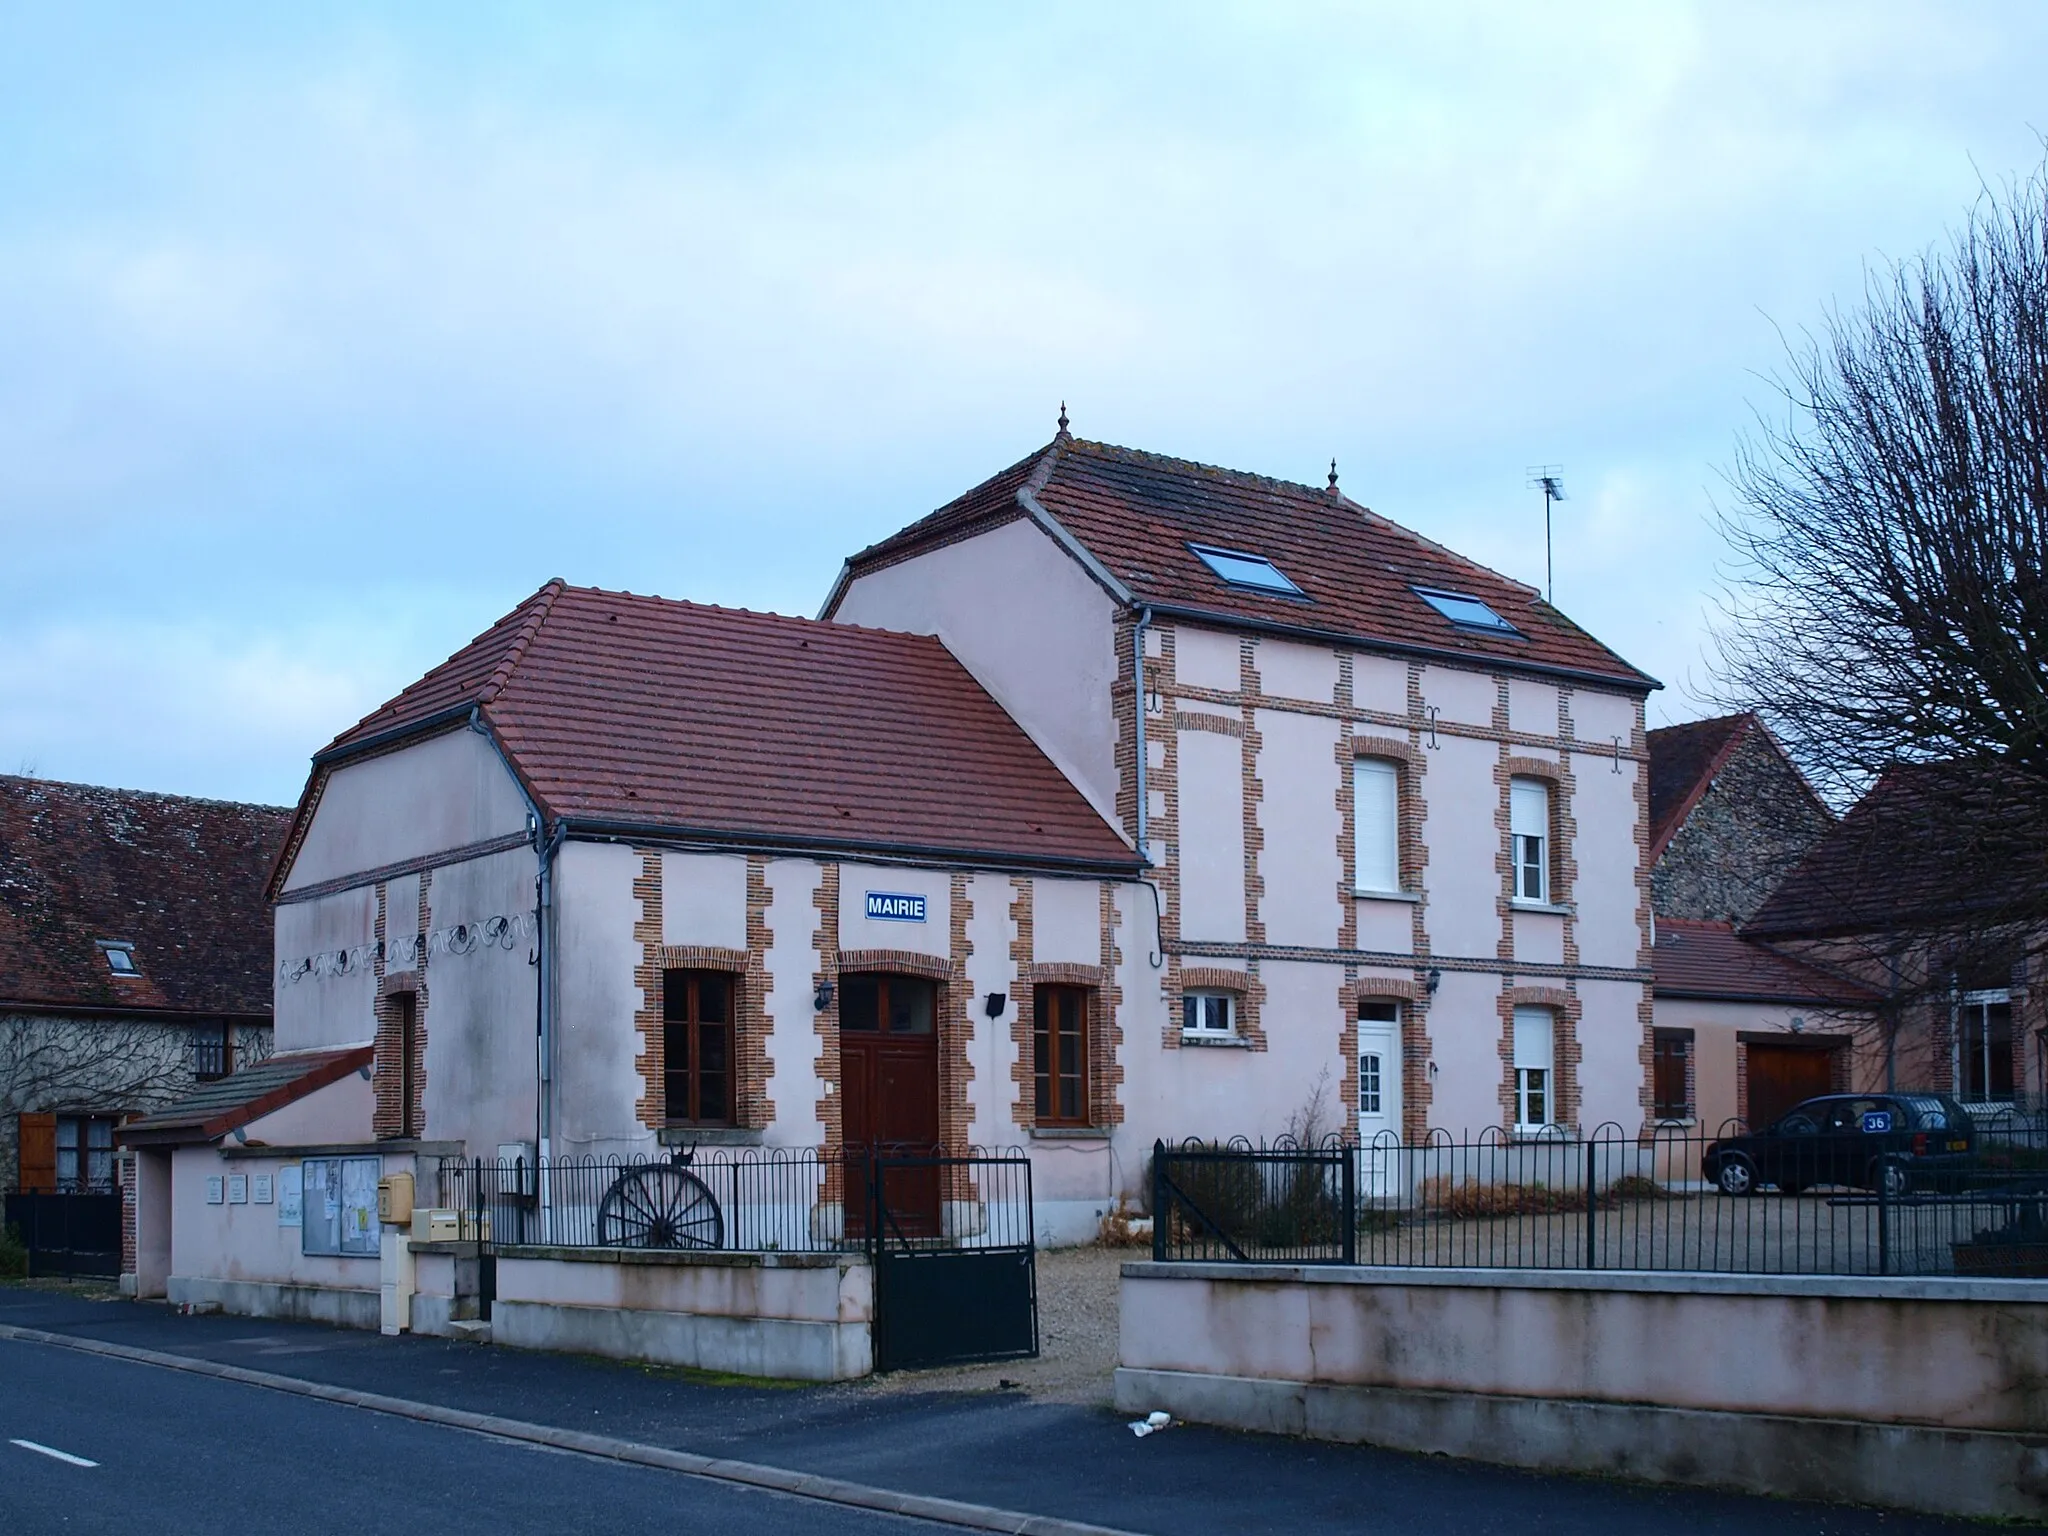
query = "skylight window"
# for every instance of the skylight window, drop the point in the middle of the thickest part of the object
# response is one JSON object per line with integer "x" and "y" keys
{"x": 120, "y": 959}
{"x": 1238, "y": 569}
{"x": 1464, "y": 611}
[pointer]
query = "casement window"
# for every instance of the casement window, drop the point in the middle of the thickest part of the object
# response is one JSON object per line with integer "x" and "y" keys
{"x": 1529, "y": 828}
{"x": 1059, "y": 1054}
{"x": 697, "y": 1046}
{"x": 1535, "y": 1068}
{"x": 1983, "y": 1067}
{"x": 85, "y": 1153}
{"x": 1376, "y": 813}
{"x": 213, "y": 1050}
{"x": 1671, "y": 1074}
{"x": 1208, "y": 1018}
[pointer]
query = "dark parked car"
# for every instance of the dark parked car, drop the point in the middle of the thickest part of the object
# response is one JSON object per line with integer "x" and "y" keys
{"x": 1848, "y": 1139}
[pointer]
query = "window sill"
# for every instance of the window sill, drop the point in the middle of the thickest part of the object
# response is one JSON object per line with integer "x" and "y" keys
{"x": 1666, "y": 1122}
{"x": 1555, "y": 1134}
{"x": 707, "y": 1135}
{"x": 1411, "y": 897}
{"x": 1209, "y": 1043}
{"x": 1067, "y": 1133}
{"x": 1548, "y": 908}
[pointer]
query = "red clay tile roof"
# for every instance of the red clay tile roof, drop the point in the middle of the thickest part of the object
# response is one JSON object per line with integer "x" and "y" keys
{"x": 180, "y": 879}
{"x": 709, "y": 724}
{"x": 1684, "y": 760}
{"x": 1930, "y": 845}
{"x": 233, "y": 1101}
{"x": 1711, "y": 961}
{"x": 1136, "y": 514}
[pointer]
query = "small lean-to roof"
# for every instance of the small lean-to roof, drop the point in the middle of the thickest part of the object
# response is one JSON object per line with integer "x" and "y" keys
{"x": 651, "y": 717}
{"x": 1931, "y": 845}
{"x": 1710, "y": 961}
{"x": 231, "y": 1102}
{"x": 180, "y": 879}
{"x": 1132, "y": 517}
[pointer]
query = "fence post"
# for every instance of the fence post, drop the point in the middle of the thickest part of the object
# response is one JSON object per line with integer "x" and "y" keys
{"x": 1592, "y": 1205}
{"x": 1884, "y": 1214}
{"x": 1158, "y": 1203}
{"x": 1348, "y": 1181}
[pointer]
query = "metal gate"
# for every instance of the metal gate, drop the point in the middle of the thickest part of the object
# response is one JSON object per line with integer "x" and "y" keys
{"x": 967, "y": 1291}
{"x": 68, "y": 1234}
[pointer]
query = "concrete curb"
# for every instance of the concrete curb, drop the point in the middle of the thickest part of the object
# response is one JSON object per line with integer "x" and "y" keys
{"x": 748, "y": 1474}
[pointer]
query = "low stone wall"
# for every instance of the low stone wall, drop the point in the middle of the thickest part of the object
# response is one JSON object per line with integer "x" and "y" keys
{"x": 793, "y": 1316}
{"x": 268, "y": 1298}
{"x": 1927, "y": 1394}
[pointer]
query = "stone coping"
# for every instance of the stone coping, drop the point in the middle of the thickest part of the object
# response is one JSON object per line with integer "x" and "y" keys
{"x": 678, "y": 1258}
{"x": 1651, "y": 1282}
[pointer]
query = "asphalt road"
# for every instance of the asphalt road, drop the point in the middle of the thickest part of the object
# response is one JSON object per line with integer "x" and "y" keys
{"x": 990, "y": 1447}
{"x": 178, "y": 1453}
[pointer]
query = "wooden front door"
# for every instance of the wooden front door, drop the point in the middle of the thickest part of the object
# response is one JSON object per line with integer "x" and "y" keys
{"x": 889, "y": 1070}
{"x": 1781, "y": 1076}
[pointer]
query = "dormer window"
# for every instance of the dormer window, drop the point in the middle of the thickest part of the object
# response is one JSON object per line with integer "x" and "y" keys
{"x": 120, "y": 958}
{"x": 1465, "y": 611}
{"x": 1253, "y": 573}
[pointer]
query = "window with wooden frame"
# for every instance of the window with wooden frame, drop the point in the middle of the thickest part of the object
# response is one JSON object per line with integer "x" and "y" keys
{"x": 697, "y": 1042}
{"x": 405, "y": 1011}
{"x": 1529, "y": 839}
{"x": 1059, "y": 1054}
{"x": 1671, "y": 1074}
{"x": 1376, "y": 818}
{"x": 85, "y": 1153}
{"x": 213, "y": 1050}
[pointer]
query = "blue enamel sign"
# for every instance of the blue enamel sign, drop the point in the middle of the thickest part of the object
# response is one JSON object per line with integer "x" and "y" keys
{"x": 1877, "y": 1122}
{"x": 895, "y": 907}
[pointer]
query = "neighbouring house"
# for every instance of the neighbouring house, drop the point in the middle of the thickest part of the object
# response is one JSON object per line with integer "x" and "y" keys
{"x": 1914, "y": 895}
{"x": 1393, "y": 803}
{"x": 1743, "y": 1032}
{"x": 135, "y": 940}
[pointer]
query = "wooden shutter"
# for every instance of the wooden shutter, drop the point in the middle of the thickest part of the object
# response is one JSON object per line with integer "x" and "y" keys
{"x": 38, "y": 1155}
{"x": 1376, "y": 809}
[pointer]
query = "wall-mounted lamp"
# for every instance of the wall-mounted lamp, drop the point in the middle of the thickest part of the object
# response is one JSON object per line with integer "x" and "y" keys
{"x": 1798, "y": 1024}
{"x": 1434, "y": 980}
{"x": 823, "y": 1000}
{"x": 994, "y": 1004}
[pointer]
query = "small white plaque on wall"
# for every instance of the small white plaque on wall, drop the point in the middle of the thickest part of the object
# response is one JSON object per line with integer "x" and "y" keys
{"x": 238, "y": 1189}
{"x": 262, "y": 1188}
{"x": 216, "y": 1189}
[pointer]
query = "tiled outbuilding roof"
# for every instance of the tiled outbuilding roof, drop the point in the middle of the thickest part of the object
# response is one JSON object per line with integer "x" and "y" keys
{"x": 1684, "y": 760}
{"x": 1134, "y": 516}
{"x": 645, "y": 715}
{"x": 1712, "y": 961}
{"x": 1930, "y": 845}
{"x": 182, "y": 880}
{"x": 233, "y": 1101}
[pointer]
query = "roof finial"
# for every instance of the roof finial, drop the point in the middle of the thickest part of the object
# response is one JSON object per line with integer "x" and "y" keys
{"x": 1333, "y": 474}
{"x": 1063, "y": 418}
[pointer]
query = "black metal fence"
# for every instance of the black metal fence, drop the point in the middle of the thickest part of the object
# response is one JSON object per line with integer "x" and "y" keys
{"x": 67, "y": 1233}
{"x": 1610, "y": 1201}
{"x": 770, "y": 1199}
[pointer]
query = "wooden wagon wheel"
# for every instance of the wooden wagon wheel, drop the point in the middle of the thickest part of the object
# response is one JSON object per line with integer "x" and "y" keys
{"x": 659, "y": 1206}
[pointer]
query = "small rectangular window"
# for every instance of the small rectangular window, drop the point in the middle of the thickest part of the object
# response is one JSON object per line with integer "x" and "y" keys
{"x": 1059, "y": 1045}
{"x": 1208, "y": 1017}
{"x": 1376, "y": 810}
{"x": 1535, "y": 1066}
{"x": 697, "y": 1025}
{"x": 1464, "y": 611}
{"x": 1670, "y": 1088}
{"x": 1529, "y": 824}
{"x": 120, "y": 958}
{"x": 1238, "y": 569}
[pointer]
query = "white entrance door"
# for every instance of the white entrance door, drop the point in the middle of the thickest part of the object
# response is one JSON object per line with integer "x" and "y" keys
{"x": 1379, "y": 1098}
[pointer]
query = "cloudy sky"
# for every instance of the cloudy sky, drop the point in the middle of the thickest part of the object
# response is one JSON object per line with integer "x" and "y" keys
{"x": 325, "y": 340}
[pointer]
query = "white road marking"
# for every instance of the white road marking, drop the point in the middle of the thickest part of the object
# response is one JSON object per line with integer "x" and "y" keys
{"x": 51, "y": 1451}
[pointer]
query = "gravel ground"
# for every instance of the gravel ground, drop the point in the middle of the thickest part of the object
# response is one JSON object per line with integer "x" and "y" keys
{"x": 1077, "y": 1327}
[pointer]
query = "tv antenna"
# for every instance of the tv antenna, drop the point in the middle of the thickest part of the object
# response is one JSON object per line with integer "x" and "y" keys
{"x": 1549, "y": 478}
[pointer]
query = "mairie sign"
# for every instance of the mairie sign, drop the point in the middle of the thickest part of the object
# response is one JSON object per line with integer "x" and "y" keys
{"x": 895, "y": 907}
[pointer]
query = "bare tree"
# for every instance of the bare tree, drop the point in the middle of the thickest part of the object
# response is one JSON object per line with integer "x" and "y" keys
{"x": 1889, "y": 604}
